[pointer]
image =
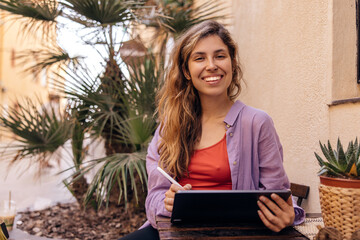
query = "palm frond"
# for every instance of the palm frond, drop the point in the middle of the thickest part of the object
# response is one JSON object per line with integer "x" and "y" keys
{"x": 175, "y": 17}
{"x": 96, "y": 104}
{"x": 136, "y": 130}
{"x": 101, "y": 12}
{"x": 125, "y": 171}
{"x": 39, "y": 132}
{"x": 38, "y": 14}
{"x": 46, "y": 59}
{"x": 179, "y": 16}
{"x": 77, "y": 140}
{"x": 143, "y": 84}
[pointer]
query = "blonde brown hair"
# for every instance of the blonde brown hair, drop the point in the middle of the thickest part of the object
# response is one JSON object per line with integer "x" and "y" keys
{"x": 179, "y": 107}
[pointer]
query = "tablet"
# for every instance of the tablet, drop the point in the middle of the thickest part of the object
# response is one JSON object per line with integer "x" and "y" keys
{"x": 219, "y": 205}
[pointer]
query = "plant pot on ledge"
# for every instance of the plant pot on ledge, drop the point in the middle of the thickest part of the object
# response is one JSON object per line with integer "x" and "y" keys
{"x": 340, "y": 188}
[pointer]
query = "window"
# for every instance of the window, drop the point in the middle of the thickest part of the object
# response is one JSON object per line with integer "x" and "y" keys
{"x": 345, "y": 67}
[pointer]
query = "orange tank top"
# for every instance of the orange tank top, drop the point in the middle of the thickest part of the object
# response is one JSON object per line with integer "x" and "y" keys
{"x": 209, "y": 168}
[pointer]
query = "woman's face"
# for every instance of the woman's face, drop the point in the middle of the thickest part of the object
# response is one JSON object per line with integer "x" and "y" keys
{"x": 210, "y": 67}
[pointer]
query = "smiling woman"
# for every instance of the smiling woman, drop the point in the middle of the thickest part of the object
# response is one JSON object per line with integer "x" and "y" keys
{"x": 207, "y": 140}
{"x": 210, "y": 68}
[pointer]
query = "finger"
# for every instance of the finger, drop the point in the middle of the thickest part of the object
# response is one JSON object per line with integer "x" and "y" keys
{"x": 267, "y": 223}
{"x": 289, "y": 201}
{"x": 274, "y": 220}
{"x": 284, "y": 211}
{"x": 169, "y": 208}
{"x": 188, "y": 187}
{"x": 284, "y": 205}
{"x": 170, "y": 194}
{"x": 175, "y": 188}
{"x": 270, "y": 205}
{"x": 169, "y": 203}
{"x": 265, "y": 210}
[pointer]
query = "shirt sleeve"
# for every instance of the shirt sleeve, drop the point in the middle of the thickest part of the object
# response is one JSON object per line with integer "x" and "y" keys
{"x": 272, "y": 172}
{"x": 299, "y": 214}
{"x": 157, "y": 184}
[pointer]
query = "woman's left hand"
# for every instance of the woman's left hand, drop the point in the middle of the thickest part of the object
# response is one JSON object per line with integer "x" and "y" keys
{"x": 282, "y": 213}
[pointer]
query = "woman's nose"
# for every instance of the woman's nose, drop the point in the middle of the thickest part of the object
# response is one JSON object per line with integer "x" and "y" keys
{"x": 211, "y": 65}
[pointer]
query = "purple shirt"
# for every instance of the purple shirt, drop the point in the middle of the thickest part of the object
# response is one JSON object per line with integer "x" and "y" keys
{"x": 255, "y": 159}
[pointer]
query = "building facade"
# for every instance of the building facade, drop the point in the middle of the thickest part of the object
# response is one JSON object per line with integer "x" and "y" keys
{"x": 300, "y": 66}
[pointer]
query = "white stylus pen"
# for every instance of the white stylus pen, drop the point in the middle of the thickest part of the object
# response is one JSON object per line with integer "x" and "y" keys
{"x": 168, "y": 177}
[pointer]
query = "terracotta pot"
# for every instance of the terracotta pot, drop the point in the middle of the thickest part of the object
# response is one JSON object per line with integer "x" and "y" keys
{"x": 340, "y": 182}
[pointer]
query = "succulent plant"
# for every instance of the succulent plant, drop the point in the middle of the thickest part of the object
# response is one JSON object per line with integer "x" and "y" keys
{"x": 339, "y": 163}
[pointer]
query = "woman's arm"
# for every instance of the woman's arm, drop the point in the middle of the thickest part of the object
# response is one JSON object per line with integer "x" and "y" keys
{"x": 273, "y": 176}
{"x": 157, "y": 184}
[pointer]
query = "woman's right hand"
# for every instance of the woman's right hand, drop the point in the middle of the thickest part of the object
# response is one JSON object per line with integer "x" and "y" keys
{"x": 170, "y": 195}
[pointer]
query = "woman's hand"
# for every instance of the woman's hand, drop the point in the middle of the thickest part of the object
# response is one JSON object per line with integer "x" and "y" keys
{"x": 170, "y": 195}
{"x": 282, "y": 213}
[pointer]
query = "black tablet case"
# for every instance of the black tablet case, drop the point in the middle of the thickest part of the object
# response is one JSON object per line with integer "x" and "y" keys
{"x": 219, "y": 205}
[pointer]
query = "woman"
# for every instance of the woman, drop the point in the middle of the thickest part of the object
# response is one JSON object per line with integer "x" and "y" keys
{"x": 206, "y": 139}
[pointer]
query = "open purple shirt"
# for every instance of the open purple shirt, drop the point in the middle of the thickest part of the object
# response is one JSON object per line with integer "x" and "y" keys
{"x": 255, "y": 159}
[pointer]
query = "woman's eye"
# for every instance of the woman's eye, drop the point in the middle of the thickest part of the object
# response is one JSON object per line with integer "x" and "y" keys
{"x": 221, "y": 56}
{"x": 199, "y": 58}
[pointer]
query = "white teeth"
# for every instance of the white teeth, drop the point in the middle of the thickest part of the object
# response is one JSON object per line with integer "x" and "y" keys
{"x": 209, "y": 79}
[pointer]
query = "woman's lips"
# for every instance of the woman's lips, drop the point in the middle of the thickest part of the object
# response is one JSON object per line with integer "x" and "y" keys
{"x": 212, "y": 79}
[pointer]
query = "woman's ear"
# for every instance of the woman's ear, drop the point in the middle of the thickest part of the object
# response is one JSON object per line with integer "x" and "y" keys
{"x": 186, "y": 73}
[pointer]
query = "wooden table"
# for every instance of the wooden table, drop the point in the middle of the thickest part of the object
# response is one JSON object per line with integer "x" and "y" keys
{"x": 222, "y": 231}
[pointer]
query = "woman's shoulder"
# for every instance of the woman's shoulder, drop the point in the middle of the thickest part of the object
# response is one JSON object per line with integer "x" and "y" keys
{"x": 251, "y": 113}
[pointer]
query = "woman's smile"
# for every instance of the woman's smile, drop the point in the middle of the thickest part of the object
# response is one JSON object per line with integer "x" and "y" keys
{"x": 212, "y": 79}
{"x": 210, "y": 67}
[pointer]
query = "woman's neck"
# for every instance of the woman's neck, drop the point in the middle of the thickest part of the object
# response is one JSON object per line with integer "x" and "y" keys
{"x": 215, "y": 108}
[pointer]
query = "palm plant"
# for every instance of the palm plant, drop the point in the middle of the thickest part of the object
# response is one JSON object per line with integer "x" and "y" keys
{"x": 116, "y": 103}
{"x": 40, "y": 133}
{"x": 340, "y": 163}
{"x": 98, "y": 109}
{"x": 177, "y": 16}
{"x": 97, "y": 105}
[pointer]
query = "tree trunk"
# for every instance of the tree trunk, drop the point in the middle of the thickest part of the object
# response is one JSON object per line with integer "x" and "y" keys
{"x": 79, "y": 189}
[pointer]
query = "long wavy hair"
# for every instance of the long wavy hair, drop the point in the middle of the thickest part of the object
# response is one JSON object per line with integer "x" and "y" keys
{"x": 179, "y": 107}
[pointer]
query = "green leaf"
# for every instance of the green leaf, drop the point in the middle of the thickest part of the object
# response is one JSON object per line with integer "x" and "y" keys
{"x": 320, "y": 160}
{"x": 325, "y": 151}
{"x": 333, "y": 170}
{"x": 343, "y": 164}
{"x": 40, "y": 131}
{"x": 119, "y": 170}
{"x": 39, "y": 15}
{"x": 101, "y": 12}
{"x": 48, "y": 58}
{"x": 351, "y": 162}
{"x": 332, "y": 154}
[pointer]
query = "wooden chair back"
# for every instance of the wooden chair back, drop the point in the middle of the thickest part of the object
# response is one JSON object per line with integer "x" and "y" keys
{"x": 299, "y": 191}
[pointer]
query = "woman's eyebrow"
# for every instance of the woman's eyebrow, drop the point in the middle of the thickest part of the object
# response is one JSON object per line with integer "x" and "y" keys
{"x": 202, "y": 53}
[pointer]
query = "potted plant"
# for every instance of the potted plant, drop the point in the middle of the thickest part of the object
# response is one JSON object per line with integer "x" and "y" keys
{"x": 340, "y": 187}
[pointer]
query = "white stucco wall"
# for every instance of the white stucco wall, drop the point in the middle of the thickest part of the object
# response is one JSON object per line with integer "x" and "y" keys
{"x": 292, "y": 67}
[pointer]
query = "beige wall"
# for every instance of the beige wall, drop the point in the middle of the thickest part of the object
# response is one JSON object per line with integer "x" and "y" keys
{"x": 298, "y": 57}
{"x": 16, "y": 83}
{"x": 1, "y": 53}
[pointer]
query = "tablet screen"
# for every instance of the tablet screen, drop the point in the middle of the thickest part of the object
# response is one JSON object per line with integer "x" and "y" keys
{"x": 220, "y": 205}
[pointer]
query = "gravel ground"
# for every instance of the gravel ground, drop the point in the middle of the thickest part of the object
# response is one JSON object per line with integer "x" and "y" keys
{"x": 68, "y": 221}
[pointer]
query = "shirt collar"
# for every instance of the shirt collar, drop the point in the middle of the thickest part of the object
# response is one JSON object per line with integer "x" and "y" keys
{"x": 234, "y": 112}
